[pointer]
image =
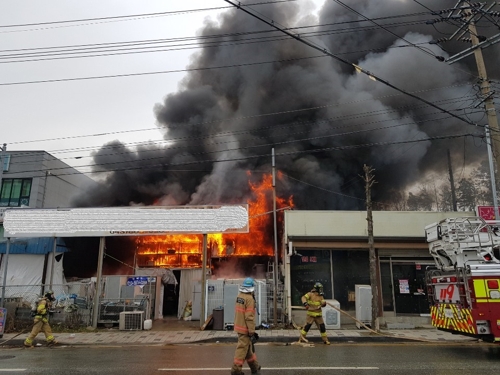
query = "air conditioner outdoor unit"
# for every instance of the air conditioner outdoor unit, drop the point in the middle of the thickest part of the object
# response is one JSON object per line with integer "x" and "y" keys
{"x": 131, "y": 320}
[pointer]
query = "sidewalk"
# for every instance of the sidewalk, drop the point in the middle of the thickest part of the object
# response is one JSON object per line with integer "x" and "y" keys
{"x": 169, "y": 337}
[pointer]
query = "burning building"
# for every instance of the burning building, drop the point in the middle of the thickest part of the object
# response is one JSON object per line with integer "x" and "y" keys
{"x": 324, "y": 120}
{"x": 185, "y": 251}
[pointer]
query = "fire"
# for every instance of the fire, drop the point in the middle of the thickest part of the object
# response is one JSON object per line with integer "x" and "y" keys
{"x": 185, "y": 251}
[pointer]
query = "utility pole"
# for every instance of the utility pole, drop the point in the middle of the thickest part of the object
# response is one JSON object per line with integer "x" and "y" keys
{"x": 452, "y": 184}
{"x": 3, "y": 149}
{"x": 276, "y": 273}
{"x": 491, "y": 113}
{"x": 369, "y": 179}
{"x": 469, "y": 14}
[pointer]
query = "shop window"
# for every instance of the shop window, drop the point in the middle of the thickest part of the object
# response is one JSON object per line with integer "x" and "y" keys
{"x": 15, "y": 192}
{"x": 308, "y": 267}
{"x": 350, "y": 267}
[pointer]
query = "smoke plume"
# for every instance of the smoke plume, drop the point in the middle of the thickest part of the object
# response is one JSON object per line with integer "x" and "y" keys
{"x": 324, "y": 120}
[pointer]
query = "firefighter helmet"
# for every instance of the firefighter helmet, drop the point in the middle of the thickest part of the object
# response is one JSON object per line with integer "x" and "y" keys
{"x": 318, "y": 287}
{"x": 248, "y": 283}
{"x": 50, "y": 295}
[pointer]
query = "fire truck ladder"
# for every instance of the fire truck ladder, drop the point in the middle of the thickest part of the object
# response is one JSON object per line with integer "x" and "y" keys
{"x": 467, "y": 231}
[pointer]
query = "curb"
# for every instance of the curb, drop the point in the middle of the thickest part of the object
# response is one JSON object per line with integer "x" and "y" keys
{"x": 284, "y": 340}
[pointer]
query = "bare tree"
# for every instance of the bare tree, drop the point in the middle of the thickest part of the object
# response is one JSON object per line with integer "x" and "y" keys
{"x": 467, "y": 195}
{"x": 369, "y": 181}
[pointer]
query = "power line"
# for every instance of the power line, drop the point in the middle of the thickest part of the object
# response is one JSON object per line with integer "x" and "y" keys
{"x": 150, "y": 73}
{"x": 286, "y": 127}
{"x": 232, "y": 119}
{"x": 386, "y": 29}
{"x": 219, "y": 36}
{"x": 358, "y": 68}
{"x": 133, "y": 16}
{"x": 245, "y": 158}
{"x": 151, "y": 46}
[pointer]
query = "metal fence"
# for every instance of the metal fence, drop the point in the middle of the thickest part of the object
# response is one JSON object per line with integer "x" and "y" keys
{"x": 221, "y": 295}
{"x": 71, "y": 309}
{"x": 110, "y": 309}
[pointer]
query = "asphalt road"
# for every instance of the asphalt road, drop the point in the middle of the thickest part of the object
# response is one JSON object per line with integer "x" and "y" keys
{"x": 276, "y": 359}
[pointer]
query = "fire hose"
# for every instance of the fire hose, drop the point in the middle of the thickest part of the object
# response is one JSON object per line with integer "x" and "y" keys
{"x": 25, "y": 330}
{"x": 365, "y": 326}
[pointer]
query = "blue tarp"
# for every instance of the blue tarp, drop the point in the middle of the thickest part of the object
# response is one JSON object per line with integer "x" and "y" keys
{"x": 33, "y": 246}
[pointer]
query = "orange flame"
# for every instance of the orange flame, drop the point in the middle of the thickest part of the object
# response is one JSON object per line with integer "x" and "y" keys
{"x": 185, "y": 251}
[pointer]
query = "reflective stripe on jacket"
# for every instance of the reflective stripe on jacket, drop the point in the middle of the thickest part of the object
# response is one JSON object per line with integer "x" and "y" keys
{"x": 315, "y": 301}
{"x": 244, "y": 314}
{"x": 41, "y": 309}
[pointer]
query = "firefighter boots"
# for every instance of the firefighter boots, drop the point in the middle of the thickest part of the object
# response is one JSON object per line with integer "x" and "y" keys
{"x": 256, "y": 371}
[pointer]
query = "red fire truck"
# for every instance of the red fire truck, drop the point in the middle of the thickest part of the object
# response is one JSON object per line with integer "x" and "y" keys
{"x": 464, "y": 286}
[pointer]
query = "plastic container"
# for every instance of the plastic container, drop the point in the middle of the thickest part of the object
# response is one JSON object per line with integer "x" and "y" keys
{"x": 148, "y": 324}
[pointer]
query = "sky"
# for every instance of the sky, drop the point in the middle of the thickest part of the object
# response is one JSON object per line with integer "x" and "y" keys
{"x": 91, "y": 109}
{"x": 325, "y": 120}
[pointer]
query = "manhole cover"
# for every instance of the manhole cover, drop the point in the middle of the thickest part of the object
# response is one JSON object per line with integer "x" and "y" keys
{"x": 6, "y": 356}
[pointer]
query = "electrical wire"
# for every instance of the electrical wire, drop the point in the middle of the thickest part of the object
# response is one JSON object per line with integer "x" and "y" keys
{"x": 239, "y": 118}
{"x": 288, "y": 133}
{"x": 384, "y": 28}
{"x": 130, "y": 17}
{"x": 237, "y": 159}
{"x": 358, "y": 68}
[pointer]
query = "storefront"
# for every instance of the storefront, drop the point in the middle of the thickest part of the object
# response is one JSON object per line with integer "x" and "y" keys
{"x": 331, "y": 247}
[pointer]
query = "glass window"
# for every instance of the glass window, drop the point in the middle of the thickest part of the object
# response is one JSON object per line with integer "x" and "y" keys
{"x": 6, "y": 162}
{"x": 24, "y": 198}
{"x": 15, "y": 192}
{"x": 5, "y": 195}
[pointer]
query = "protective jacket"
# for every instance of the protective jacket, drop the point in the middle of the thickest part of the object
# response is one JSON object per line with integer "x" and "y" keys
{"x": 43, "y": 308}
{"x": 314, "y": 302}
{"x": 244, "y": 314}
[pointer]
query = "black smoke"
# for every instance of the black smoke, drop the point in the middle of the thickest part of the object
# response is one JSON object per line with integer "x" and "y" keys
{"x": 324, "y": 120}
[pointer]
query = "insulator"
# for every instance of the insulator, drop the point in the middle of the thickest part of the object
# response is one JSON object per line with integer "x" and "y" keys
{"x": 467, "y": 40}
{"x": 438, "y": 12}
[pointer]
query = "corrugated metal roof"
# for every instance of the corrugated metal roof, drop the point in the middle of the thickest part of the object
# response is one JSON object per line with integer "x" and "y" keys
{"x": 33, "y": 246}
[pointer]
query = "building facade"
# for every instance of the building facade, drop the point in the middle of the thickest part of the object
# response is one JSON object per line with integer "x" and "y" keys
{"x": 36, "y": 179}
{"x": 332, "y": 247}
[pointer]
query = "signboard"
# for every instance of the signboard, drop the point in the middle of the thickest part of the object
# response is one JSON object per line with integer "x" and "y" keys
{"x": 137, "y": 280}
{"x": 447, "y": 293}
{"x": 404, "y": 286}
{"x": 487, "y": 212}
{"x": 125, "y": 221}
{"x": 3, "y": 319}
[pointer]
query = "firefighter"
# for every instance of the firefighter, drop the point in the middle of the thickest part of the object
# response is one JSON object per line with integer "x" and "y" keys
{"x": 313, "y": 301}
{"x": 41, "y": 321}
{"x": 244, "y": 325}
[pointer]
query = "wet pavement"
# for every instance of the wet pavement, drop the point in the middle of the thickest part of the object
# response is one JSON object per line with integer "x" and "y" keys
{"x": 173, "y": 331}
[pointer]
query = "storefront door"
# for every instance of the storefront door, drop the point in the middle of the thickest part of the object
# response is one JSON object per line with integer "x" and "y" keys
{"x": 409, "y": 288}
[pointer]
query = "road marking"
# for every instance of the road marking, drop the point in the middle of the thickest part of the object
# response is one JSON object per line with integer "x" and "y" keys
{"x": 270, "y": 368}
{"x": 12, "y": 369}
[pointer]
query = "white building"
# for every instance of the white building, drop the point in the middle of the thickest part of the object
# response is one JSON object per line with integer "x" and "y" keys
{"x": 331, "y": 247}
